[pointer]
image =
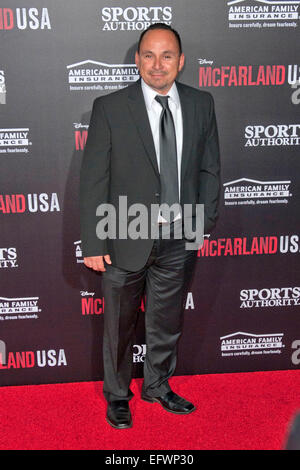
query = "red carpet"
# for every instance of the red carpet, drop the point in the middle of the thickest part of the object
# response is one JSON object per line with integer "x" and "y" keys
{"x": 248, "y": 411}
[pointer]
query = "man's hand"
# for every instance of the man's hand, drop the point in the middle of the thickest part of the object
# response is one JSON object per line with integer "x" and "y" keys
{"x": 97, "y": 262}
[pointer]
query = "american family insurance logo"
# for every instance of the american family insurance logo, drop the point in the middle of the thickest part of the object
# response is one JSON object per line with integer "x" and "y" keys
{"x": 248, "y": 75}
{"x": 24, "y": 18}
{"x": 19, "y": 308}
{"x": 93, "y": 75}
{"x": 249, "y": 344}
{"x": 246, "y": 191}
{"x": 263, "y": 14}
{"x": 134, "y": 18}
{"x": 15, "y": 140}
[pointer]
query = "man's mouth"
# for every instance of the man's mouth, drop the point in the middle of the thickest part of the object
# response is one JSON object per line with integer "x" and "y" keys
{"x": 157, "y": 74}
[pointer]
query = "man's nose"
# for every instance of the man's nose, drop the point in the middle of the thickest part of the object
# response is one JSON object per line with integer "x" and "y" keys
{"x": 157, "y": 63}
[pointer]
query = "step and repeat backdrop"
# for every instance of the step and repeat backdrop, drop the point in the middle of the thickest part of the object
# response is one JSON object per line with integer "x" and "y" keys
{"x": 243, "y": 309}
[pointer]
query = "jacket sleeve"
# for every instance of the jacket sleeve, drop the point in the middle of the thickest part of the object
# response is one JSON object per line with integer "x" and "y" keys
{"x": 94, "y": 180}
{"x": 209, "y": 177}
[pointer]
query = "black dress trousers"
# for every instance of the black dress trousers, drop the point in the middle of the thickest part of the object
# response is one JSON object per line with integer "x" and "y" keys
{"x": 165, "y": 280}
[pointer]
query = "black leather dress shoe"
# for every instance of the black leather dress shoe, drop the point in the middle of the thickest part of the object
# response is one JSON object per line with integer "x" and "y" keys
{"x": 118, "y": 414}
{"x": 172, "y": 403}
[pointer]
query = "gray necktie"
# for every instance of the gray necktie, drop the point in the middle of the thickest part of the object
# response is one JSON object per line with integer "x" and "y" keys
{"x": 168, "y": 158}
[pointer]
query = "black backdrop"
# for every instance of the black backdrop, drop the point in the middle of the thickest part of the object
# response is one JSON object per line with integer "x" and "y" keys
{"x": 243, "y": 310}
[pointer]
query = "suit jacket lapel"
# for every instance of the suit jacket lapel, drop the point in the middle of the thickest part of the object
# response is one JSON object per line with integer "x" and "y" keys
{"x": 139, "y": 113}
{"x": 188, "y": 118}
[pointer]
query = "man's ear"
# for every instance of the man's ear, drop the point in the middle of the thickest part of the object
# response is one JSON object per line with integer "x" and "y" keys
{"x": 137, "y": 59}
{"x": 181, "y": 62}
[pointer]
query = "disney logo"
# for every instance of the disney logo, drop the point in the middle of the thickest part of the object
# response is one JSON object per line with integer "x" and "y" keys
{"x": 205, "y": 62}
{"x": 84, "y": 293}
{"x": 80, "y": 126}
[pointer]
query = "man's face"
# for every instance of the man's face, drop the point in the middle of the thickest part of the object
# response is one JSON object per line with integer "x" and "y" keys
{"x": 159, "y": 60}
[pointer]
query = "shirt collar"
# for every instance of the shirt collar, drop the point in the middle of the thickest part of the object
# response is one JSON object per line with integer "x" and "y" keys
{"x": 150, "y": 94}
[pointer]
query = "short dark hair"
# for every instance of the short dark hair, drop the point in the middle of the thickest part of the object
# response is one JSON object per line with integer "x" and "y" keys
{"x": 161, "y": 26}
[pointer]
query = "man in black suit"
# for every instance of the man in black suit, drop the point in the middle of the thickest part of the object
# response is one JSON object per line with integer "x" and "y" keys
{"x": 156, "y": 143}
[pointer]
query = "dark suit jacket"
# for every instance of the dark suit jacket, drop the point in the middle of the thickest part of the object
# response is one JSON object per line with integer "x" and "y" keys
{"x": 120, "y": 159}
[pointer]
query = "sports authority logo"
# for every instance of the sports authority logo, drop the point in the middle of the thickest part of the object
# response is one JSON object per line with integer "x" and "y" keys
{"x": 246, "y": 191}
{"x": 2, "y": 88}
{"x": 23, "y": 203}
{"x": 24, "y": 18}
{"x": 14, "y": 141}
{"x": 273, "y": 135}
{"x": 133, "y": 18}
{"x": 248, "y": 344}
{"x": 248, "y": 75}
{"x": 250, "y": 246}
{"x": 19, "y": 308}
{"x": 8, "y": 258}
{"x": 93, "y": 75}
{"x": 263, "y": 13}
{"x": 270, "y": 297}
